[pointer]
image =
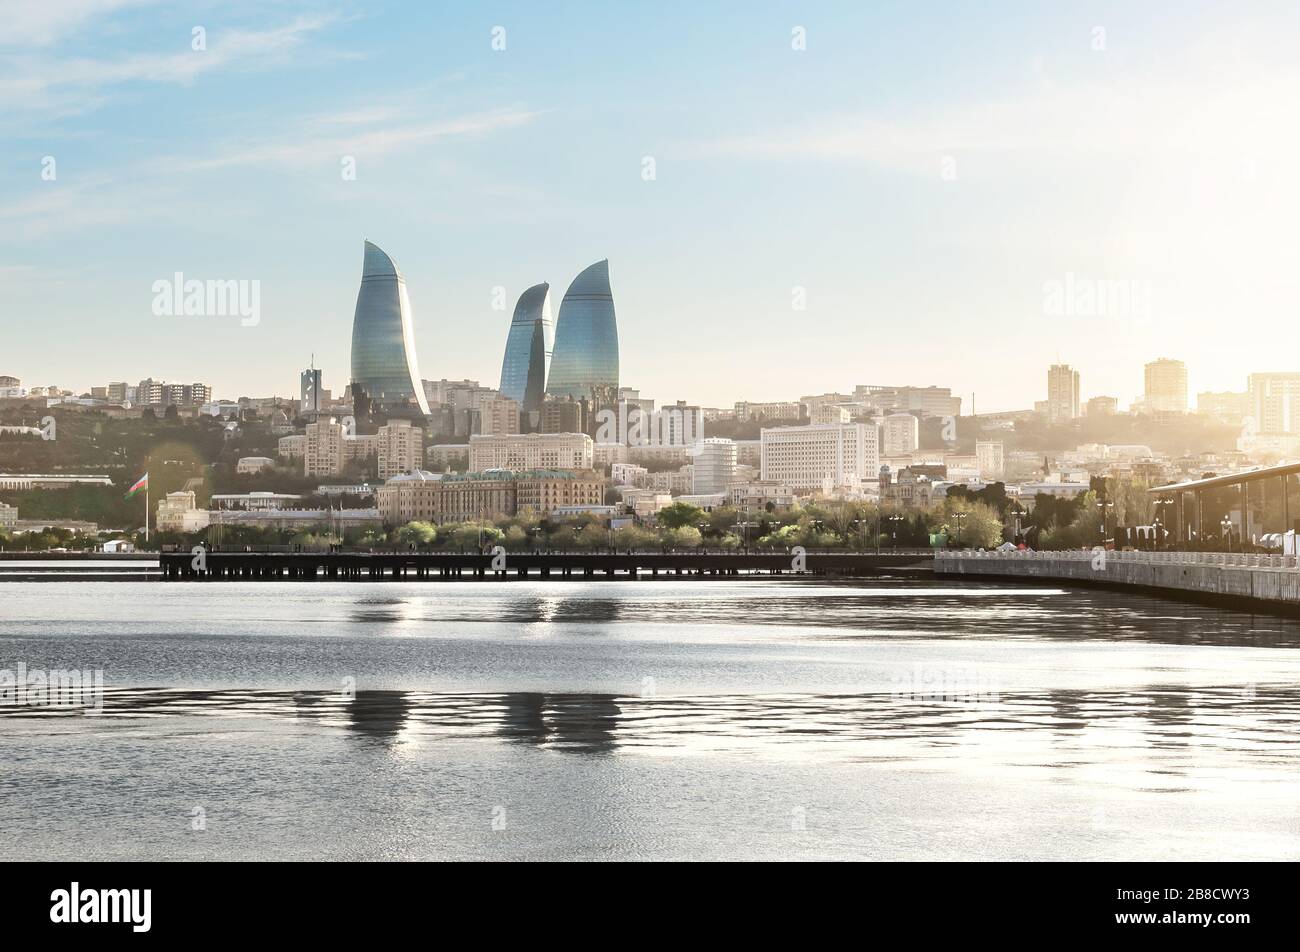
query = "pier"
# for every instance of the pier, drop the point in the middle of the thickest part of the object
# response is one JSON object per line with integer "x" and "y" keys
{"x": 504, "y": 566}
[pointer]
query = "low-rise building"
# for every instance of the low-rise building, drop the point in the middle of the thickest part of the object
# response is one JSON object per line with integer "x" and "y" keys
{"x": 177, "y": 512}
{"x": 254, "y": 464}
{"x": 292, "y": 447}
{"x": 909, "y": 490}
{"x": 526, "y": 451}
{"x": 459, "y": 497}
{"x": 755, "y": 496}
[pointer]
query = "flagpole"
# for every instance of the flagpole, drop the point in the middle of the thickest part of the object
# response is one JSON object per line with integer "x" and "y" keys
{"x": 146, "y": 507}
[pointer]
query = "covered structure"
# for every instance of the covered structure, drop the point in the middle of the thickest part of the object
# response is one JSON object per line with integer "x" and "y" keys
{"x": 1223, "y": 511}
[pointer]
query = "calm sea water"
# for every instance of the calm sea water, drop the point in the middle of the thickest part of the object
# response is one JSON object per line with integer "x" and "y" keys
{"x": 896, "y": 719}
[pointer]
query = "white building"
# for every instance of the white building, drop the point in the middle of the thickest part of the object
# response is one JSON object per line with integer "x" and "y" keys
{"x": 254, "y": 464}
{"x": 807, "y": 457}
{"x": 1274, "y": 402}
{"x": 714, "y": 466}
{"x": 991, "y": 459}
{"x": 8, "y": 516}
{"x": 900, "y": 434}
{"x": 520, "y": 451}
{"x": 178, "y": 513}
{"x": 829, "y": 413}
{"x": 626, "y": 474}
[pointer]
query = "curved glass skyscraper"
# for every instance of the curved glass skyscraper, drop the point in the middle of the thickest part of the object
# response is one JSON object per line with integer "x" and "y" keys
{"x": 384, "y": 365}
{"x": 585, "y": 362}
{"x": 528, "y": 349}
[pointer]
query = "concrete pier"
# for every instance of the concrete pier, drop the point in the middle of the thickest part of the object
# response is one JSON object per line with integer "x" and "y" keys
{"x": 1270, "y": 580}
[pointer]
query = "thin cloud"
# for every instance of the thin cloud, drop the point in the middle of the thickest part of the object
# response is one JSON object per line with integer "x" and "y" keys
{"x": 39, "y": 82}
{"x": 370, "y": 143}
{"x": 35, "y": 23}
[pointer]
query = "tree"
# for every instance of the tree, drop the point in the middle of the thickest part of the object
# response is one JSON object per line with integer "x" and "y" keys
{"x": 417, "y": 533}
{"x": 680, "y": 514}
{"x": 980, "y": 525}
{"x": 682, "y": 537}
{"x": 634, "y": 537}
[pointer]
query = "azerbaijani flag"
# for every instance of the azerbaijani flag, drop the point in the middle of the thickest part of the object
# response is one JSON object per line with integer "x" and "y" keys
{"x": 141, "y": 484}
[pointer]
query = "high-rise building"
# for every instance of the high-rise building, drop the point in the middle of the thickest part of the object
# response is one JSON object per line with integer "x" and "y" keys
{"x": 1166, "y": 386}
{"x": 310, "y": 396}
{"x": 564, "y": 415}
{"x": 400, "y": 448}
{"x": 1275, "y": 402}
{"x": 585, "y": 362}
{"x": 529, "y": 345}
{"x": 323, "y": 453}
{"x": 681, "y": 424}
{"x": 384, "y": 365}
{"x": 900, "y": 434}
{"x": 990, "y": 456}
{"x": 714, "y": 465}
{"x": 810, "y": 457}
{"x": 498, "y": 414}
{"x": 1062, "y": 394}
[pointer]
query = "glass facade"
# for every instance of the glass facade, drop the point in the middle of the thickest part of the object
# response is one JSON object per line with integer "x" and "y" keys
{"x": 528, "y": 349}
{"x": 384, "y": 365}
{"x": 585, "y": 361}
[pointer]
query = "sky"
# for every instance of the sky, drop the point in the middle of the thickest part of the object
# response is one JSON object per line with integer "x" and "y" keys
{"x": 794, "y": 198}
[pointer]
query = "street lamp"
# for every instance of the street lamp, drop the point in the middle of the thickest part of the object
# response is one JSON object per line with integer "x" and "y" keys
{"x": 1103, "y": 505}
{"x": 959, "y": 516}
{"x": 894, "y": 520}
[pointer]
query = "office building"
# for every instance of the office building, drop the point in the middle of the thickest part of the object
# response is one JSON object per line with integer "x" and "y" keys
{"x": 530, "y": 343}
{"x": 900, "y": 434}
{"x": 714, "y": 465}
{"x": 385, "y": 371}
{"x": 816, "y": 456}
{"x": 1166, "y": 387}
{"x": 585, "y": 361}
{"x": 1062, "y": 394}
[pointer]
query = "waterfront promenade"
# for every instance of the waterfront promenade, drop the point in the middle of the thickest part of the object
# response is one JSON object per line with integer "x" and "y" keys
{"x": 1230, "y": 578}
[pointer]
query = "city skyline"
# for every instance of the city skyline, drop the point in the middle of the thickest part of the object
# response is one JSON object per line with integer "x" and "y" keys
{"x": 920, "y": 217}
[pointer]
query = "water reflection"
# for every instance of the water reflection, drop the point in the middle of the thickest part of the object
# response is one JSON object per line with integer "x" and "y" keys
{"x": 1164, "y": 735}
{"x": 879, "y": 609}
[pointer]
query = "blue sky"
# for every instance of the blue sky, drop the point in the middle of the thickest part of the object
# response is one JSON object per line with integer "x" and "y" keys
{"x": 925, "y": 172}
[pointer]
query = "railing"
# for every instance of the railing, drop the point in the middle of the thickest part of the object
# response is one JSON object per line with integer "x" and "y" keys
{"x": 1220, "y": 559}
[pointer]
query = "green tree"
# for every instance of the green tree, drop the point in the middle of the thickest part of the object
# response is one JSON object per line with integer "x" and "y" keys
{"x": 680, "y": 514}
{"x": 417, "y": 533}
{"x": 682, "y": 537}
